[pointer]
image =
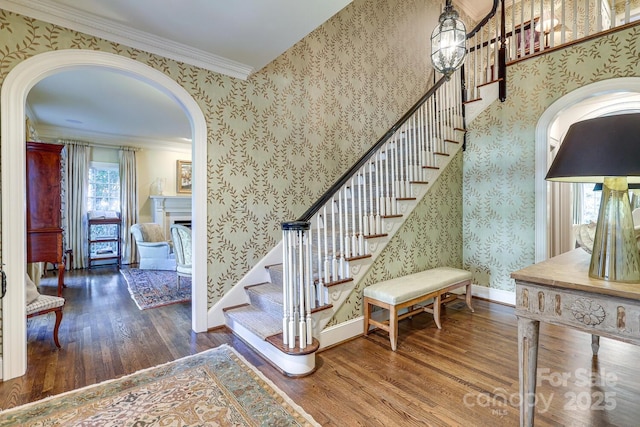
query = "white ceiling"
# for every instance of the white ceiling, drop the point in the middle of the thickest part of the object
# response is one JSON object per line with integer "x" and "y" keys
{"x": 235, "y": 38}
{"x": 476, "y": 9}
{"x": 108, "y": 108}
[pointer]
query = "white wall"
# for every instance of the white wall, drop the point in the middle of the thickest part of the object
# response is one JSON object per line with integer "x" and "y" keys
{"x": 153, "y": 165}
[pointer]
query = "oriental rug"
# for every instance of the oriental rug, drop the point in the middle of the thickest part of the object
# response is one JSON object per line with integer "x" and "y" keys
{"x": 217, "y": 387}
{"x": 156, "y": 288}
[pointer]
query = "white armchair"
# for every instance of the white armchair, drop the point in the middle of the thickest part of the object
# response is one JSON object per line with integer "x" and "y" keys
{"x": 154, "y": 250}
{"x": 181, "y": 237}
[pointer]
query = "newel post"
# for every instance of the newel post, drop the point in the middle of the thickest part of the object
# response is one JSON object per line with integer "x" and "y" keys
{"x": 296, "y": 286}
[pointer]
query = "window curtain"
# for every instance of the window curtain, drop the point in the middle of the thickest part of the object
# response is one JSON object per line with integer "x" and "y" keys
{"x": 75, "y": 169}
{"x": 578, "y": 202}
{"x": 560, "y": 220}
{"x": 128, "y": 203}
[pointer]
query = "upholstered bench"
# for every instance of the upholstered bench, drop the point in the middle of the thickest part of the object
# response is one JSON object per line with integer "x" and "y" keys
{"x": 407, "y": 291}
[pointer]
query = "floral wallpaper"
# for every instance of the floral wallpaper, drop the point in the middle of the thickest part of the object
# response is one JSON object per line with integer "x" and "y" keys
{"x": 498, "y": 192}
{"x": 279, "y": 139}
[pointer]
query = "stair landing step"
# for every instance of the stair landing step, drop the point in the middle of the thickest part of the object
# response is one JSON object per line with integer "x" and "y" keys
{"x": 257, "y": 321}
{"x": 276, "y": 340}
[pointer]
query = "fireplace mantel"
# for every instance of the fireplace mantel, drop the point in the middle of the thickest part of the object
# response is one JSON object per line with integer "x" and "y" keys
{"x": 169, "y": 209}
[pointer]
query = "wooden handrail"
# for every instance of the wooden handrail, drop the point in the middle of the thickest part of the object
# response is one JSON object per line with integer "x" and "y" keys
{"x": 361, "y": 162}
{"x": 484, "y": 21}
{"x": 353, "y": 169}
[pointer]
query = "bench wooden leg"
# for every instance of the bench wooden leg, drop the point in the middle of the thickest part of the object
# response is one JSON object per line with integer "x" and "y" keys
{"x": 367, "y": 314}
{"x": 436, "y": 311}
{"x": 468, "y": 298}
{"x": 56, "y": 327}
{"x": 393, "y": 327}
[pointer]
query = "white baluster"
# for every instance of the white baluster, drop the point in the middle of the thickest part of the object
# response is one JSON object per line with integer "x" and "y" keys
{"x": 291, "y": 286}
{"x": 354, "y": 231}
{"x": 334, "y": 247}
{"x": 531, "y": 30}
{"x": 360, "y": 216}
{"x": 586, "y": 18}
{"x": 302, "y": 327}
{"x": 563, "y": 17}
{"x": 325, "y": 256}
{"x": 319, "y": 227}
{"x": 342, "y": 232}
{"x": 627, "y": 12}
{"x": 285, "y": 289}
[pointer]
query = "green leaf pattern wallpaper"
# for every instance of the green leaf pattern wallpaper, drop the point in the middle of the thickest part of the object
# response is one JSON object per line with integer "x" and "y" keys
{"x": 498, "y": 189}
{"x": 279, "y": 139}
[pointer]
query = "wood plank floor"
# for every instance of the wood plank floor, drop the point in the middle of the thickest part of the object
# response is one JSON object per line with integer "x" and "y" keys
{"x": 465, "y": 374}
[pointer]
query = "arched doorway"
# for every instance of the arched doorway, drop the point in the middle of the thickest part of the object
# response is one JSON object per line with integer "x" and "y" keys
{"x": 15, "y": 88}
{"x": 579, "y": 100}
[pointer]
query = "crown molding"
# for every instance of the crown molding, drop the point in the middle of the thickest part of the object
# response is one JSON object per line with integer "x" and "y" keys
{"x": 68, "y": 17}
{"x": 53, "y": 133}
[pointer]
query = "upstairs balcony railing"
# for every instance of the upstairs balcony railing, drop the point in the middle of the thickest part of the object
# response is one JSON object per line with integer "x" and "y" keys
{"x": 522, "y": 29}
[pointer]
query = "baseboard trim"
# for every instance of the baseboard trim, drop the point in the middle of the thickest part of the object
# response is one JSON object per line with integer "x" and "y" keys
{"x": 343, "y": 332}
{"x": 350, "y": 329}
{"x": 494, "y": 295}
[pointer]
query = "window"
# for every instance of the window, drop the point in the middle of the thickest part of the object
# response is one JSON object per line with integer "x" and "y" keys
{"x": 104, "y": 187}
{"x": 590, "y": 203}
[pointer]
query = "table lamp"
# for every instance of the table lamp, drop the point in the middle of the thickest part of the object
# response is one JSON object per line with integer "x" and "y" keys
{"x": 606, "y": 150}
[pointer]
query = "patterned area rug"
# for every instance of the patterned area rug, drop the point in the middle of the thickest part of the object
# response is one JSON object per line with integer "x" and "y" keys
{"x": 217, "y": 387}
{"x": 155, "y": 288}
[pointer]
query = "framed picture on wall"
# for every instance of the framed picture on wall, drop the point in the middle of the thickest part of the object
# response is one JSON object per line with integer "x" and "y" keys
{"x": 183, "y": 176}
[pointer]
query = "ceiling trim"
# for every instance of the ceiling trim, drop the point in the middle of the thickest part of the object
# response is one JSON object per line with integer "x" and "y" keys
{"x": 53, "y": 133}
{"x": 112, "y": 31}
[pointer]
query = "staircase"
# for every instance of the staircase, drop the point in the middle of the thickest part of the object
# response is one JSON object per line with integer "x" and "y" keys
{"x": 282, "y": 306}
{"x": 324, "y": 253}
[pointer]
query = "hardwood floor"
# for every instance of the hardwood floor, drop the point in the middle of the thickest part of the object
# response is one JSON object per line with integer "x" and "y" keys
{"x": 464, "y": 374}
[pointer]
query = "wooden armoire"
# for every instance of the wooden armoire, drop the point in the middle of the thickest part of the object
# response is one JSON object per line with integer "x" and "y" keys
{"x": 44, "y": 218}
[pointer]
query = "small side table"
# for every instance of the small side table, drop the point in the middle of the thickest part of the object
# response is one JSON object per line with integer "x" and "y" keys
{"x": 559, "y": 291}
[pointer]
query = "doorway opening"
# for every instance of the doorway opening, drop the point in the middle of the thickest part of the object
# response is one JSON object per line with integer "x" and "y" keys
{"x": 560, "y": 206}
{"x": 15, "y": 88}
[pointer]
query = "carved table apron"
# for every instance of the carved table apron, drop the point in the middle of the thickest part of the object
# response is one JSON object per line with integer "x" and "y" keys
{"x": 559, "y": 291}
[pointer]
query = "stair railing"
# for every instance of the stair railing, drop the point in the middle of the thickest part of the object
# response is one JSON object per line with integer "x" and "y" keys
{"x": 483, "y": 62}
{"x": 526, "y": 28}
{"x": 319, "y": 247}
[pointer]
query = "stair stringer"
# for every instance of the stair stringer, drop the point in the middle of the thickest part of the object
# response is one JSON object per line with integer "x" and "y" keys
{"x": 488, "y": 95}
{"x": 237, "y": 295}
{"x": 339, "y": 293}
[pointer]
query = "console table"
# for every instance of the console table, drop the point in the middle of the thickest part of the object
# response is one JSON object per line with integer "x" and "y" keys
{"x": 559, "y": 291}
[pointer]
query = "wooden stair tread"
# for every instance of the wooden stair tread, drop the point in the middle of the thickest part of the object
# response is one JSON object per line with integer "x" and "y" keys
{"x": 489, "y": 83}
{"x": 324, "y": 307}
{"x": 375, "y": 236}
{"x": 338, "y": 282}
{"x": 472, "y": 101}
{"x": 276, "y": 341}
{"x": 358, "y": 257}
